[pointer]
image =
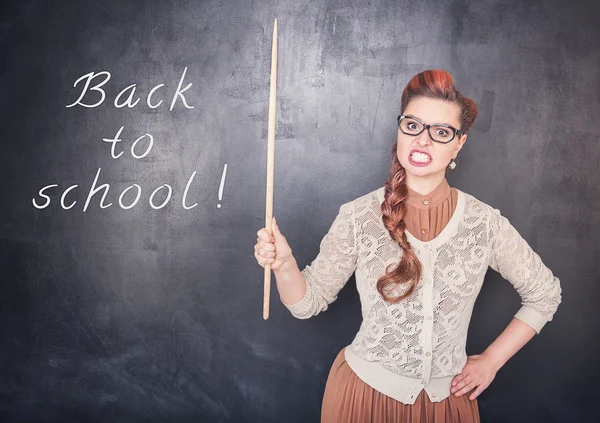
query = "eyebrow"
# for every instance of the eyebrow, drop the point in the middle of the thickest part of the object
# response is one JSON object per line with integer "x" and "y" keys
{"x": 436, "y": 123}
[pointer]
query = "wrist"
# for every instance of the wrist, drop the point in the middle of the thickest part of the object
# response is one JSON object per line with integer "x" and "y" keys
{"x": 287, "y": 265}
{"x": 495, "y": 361}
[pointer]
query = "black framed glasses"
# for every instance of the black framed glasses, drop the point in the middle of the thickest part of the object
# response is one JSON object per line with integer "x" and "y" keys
{"x": 442, "y": 133}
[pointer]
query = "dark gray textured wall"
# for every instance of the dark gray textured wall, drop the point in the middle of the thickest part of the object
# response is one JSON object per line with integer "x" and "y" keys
{"x": 156, "y": 315}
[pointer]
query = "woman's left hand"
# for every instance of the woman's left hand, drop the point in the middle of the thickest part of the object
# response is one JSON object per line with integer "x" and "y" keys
{"x": 479, "y": 371}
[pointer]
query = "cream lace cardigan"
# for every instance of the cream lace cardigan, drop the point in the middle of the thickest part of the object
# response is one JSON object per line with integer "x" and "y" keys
{"x": 419, "y": 343}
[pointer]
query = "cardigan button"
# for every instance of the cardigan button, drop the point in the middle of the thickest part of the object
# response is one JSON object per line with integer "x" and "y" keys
{"x": 424, "y": 231}
{"x": 425, "y": 202}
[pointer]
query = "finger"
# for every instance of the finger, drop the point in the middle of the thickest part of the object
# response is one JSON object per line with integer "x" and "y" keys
{"x": 276, "y": 230}
{"x": 264, "y": 250}
{"x": 266, "y": 254}
{"x": 457, "y": 379}
{"x": 463, "y": 382}
{"x": 476, "y": 393}
{"x": 266, "y": 247}
{"x": 263, "y": 261}
{"x": 467, "y": 388}
{"x": 269, "y": 246}
{"x": 265, "y": 236}
{"x": 459, "y": 384}
{"x": 462, "y": 375}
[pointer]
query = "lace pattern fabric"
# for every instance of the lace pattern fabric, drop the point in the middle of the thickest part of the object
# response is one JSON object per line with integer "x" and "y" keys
{"x": 423, "y": 337}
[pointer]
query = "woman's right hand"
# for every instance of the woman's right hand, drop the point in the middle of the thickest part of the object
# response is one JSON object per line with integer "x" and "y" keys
{"x": 272, "y": 249}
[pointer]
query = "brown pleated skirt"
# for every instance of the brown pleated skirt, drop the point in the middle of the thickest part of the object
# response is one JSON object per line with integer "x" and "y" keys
{"x": 347, "y": 399}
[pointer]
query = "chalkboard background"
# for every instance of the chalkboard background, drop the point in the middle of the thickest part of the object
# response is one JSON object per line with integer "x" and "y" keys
{"x": 155, "y": 314}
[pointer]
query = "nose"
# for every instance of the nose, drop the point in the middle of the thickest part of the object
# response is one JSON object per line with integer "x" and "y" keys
{"x": 423, "y": 138}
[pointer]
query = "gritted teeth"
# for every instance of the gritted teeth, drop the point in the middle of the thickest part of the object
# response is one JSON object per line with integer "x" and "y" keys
{"x": 420, "y": 157}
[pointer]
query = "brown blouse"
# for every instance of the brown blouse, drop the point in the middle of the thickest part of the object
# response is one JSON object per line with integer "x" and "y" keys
{"x": 427, "y": 215}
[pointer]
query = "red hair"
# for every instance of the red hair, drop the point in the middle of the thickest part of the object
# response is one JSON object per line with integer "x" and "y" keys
{"x": 436, "y": 84}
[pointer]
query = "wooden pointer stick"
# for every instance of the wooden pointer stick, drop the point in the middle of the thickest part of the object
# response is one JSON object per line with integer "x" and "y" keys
{"x": 270, "y": 166}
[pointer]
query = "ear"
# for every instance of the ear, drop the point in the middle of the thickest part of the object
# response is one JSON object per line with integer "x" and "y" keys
{"x": 461, "y": 141}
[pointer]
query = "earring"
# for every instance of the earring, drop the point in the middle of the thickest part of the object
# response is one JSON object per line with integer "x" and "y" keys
{"x": 452, "y": 164}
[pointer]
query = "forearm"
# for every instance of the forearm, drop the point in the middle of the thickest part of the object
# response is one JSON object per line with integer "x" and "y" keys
{"x": 290, "y": 282}
{"x": 511, "y": 340}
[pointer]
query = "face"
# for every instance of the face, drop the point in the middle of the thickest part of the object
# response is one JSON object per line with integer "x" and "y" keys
{"x": 430, "y": 111}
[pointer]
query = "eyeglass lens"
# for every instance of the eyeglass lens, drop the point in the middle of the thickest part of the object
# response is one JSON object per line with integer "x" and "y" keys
{"x": 413, "y": 127}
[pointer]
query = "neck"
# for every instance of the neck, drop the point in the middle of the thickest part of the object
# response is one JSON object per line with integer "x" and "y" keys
{"x": 424, "y": 184}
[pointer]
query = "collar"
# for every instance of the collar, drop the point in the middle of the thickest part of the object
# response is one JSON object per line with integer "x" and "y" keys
{"x": 432, "y": 199}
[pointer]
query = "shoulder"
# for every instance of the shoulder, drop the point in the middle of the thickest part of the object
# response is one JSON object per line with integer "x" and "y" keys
{"x": 371, "y": 199}
{"x": 477, "y": 210}
{"x": 364, "y": 207}
{"x": 477, "y": 205}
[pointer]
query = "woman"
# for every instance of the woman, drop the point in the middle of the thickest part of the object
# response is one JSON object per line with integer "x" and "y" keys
{"x": 420, "y": 249}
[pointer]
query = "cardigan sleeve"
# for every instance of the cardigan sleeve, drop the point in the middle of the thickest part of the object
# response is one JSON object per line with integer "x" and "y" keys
{"x": 331, "y": 269}
{"x": 517, "y": 262}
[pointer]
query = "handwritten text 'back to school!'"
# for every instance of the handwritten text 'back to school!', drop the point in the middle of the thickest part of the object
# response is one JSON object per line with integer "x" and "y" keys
{"x": 125, "y": 98}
